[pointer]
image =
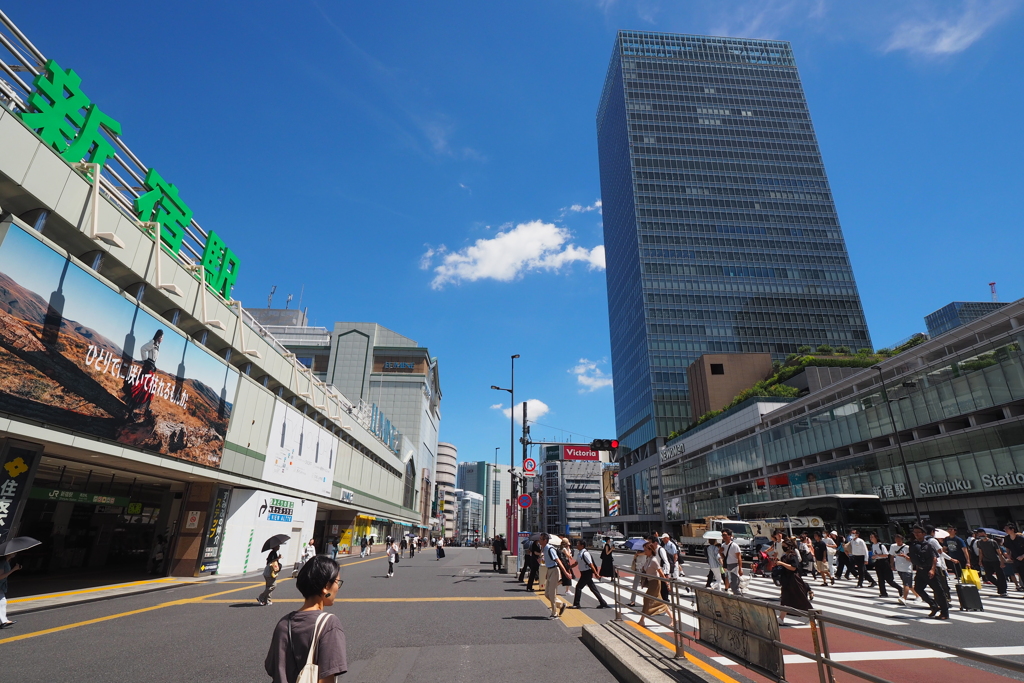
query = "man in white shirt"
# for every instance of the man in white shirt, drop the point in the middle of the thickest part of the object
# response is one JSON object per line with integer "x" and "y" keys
{"x": 899, "y": 554}
{"x": 588, "y": 570}
{"x": 672, "y": 550}
{"x": 733, "y": 561}
{"x": 859, "y": 558}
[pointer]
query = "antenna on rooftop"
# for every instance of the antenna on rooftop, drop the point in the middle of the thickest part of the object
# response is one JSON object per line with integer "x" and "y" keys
{"x": 288, "y": 302}
{"x": 992, "y": 286}
{"x": 270, "y": 298}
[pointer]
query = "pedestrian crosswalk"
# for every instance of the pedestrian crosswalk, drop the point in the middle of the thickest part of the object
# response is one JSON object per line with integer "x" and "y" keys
{"x": 843, "y": 600}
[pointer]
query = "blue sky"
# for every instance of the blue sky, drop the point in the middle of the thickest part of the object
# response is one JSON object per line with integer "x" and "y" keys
{"x": 418, "y": 164}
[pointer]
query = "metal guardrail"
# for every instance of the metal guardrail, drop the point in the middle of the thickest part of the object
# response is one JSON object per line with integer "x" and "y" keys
{"x": 816, "y": 620}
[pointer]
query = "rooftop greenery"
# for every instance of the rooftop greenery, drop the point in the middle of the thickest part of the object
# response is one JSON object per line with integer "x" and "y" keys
{"x": 824, "y": 356}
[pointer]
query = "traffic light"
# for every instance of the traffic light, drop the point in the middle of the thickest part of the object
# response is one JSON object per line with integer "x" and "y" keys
{"x": 604, "y": 444}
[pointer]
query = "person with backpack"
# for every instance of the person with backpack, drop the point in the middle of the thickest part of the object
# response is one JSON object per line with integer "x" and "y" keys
{"x": 925, "y": 561}
{"x": 588, "y": 570}
{"x": 883, "y": 566}
{"x": 899, "y": 556}
{"x": 308, "y": 645}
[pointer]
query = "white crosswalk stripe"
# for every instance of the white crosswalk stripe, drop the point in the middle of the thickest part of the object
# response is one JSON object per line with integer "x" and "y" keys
{"x": 846, "y": 601}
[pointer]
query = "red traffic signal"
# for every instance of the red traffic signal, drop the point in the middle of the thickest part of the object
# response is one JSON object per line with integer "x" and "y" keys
{"x": 604, "y": 444}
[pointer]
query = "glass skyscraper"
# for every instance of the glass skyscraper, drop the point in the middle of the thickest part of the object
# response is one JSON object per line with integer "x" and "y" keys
{"x": 721, "y": 235}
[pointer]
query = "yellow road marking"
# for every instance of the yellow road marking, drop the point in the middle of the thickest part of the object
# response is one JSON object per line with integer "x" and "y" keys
{"x": 98, "y": 620}
{"x": 83, "y": 591}
{"x": 571, "y": 618}
{"x": 690, "y": 658}
{"x": 451, "y": 599}
{"x": 166, "y": 579}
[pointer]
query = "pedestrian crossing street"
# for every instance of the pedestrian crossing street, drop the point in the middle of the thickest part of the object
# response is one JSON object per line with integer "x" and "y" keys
{"x": 844, "y": 601}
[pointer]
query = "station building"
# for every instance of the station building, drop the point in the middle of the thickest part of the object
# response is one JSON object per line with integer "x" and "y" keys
{"x": 957, "y": 404}
{"x": 141, "y": 406}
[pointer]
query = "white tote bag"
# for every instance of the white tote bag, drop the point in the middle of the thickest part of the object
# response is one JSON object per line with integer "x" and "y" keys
{"x": 310, "y": 673}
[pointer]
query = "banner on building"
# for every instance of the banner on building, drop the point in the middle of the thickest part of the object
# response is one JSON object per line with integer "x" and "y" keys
{"x": 301, "y": 454}
{"x": 15, "y": 474}
{"x": 76, "y": 354}
{"x": 579, "y": 452}
{"x": 215, "y": 532}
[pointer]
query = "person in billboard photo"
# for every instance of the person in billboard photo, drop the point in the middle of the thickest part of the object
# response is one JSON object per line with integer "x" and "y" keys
{"x": 141, "y": 393}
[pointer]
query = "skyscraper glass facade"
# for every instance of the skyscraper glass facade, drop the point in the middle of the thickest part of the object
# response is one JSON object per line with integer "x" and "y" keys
{"x": 721, "y": 235}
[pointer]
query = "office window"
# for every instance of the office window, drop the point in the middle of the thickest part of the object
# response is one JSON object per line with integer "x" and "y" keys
{"x": 717, "y": 369}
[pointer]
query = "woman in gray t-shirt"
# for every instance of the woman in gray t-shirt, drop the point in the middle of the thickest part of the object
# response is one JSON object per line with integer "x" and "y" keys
{"x": 289, "y": 647}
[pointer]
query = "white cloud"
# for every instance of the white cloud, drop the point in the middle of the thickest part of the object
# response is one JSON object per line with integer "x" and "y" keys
{"x": 580, "y": 208}
{"x": 510, "y": 254}
{"x": 589, "y": 376}
{"x": 426, "y": 260}
{"x": 948, "y": 32}
{"x": 535, "y": 410}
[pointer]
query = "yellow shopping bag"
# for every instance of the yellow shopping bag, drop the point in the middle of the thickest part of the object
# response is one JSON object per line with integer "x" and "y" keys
{"x": 968, "y": 575}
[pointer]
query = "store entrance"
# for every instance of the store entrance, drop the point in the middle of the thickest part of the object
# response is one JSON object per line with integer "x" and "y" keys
{"x": 97, "y": 526}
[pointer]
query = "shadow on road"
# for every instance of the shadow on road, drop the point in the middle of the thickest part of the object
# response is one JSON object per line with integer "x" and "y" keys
{"x": 246, "y": 604}
{"x": 526, "y": 618}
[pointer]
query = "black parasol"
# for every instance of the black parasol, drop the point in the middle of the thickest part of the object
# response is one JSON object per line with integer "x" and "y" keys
{"x": 275, "y": 541}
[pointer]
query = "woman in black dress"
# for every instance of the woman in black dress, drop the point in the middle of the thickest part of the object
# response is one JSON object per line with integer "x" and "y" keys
{"x": 608, "y": 561}
{"x": 795, "y": 592}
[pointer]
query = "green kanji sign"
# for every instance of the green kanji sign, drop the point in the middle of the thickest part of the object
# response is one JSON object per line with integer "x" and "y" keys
{"x": 66, "y": 120}
{"x": 161, "y": 204}
{"x": 221, "y": 265}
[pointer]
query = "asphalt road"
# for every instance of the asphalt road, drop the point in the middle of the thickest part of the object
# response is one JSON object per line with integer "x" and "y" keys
{"x": 448, "y": 620}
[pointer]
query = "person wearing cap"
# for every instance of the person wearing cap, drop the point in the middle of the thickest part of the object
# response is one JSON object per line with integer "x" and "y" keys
{"x": 672, "y": 550}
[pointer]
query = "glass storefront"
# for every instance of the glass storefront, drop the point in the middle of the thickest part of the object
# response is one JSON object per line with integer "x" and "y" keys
{"x": 92, "y": 521}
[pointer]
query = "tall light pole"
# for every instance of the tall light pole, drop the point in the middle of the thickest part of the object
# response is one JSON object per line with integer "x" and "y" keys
{"x": 512, "y": 543}
{"x": 899, "y": 444}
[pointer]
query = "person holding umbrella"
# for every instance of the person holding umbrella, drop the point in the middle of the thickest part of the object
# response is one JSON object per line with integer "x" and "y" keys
{"x": 6, "y": 569}
{"x": 7, "y": 552}
{"x": 272, "y": 569}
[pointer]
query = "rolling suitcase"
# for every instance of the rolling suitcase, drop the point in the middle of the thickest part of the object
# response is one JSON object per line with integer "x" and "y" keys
{"x": 969, "y": 597}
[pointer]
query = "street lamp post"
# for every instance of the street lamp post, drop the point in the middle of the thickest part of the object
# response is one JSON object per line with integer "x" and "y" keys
{"x": 899, "y": 444}
{"x": 512, "y": 543}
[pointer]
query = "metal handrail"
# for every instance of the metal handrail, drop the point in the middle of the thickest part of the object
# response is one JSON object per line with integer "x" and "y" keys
{"x": 816, "y": 620}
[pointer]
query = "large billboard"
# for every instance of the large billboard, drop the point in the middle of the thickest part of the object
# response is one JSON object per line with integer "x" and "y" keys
{"x": 301, "y": 454}
{"x": 76, "y": 354}
{"x": 579, "y": 451}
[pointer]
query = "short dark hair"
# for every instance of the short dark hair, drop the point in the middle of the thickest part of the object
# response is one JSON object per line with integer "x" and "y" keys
{"x": 917, "y": 527}
{"x": 929, "y": 529}
{"x": 817, "y": 534}
{"x": 1011, "y": 526}
{"x": 316, "y": 574}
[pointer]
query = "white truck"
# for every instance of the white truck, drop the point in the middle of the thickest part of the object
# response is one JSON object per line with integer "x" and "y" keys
{"x": 692, "y": 541}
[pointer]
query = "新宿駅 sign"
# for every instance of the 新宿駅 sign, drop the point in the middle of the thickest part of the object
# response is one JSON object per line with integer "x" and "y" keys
{"x": 68, "y": 122}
